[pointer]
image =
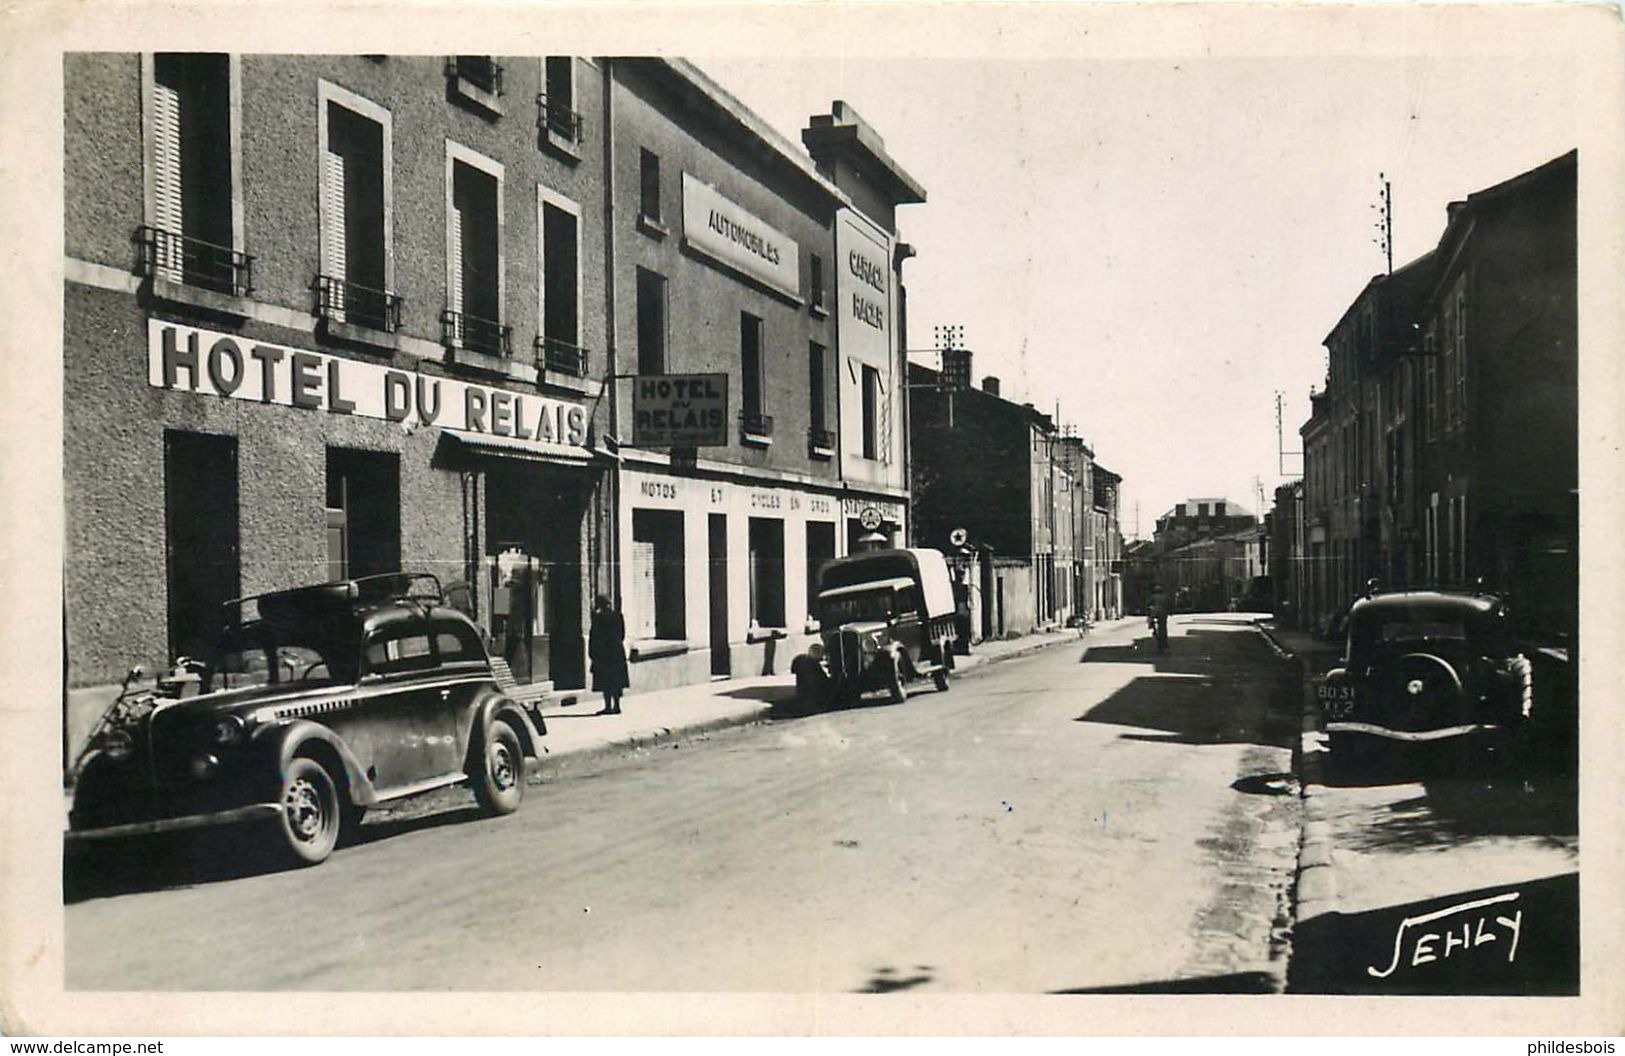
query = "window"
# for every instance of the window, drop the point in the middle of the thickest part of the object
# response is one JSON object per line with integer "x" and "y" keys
{"x": 474, "y": 269}
{"x": 353, "y": 286}
{"x": 363, "y": 513}
{"x": 1459, "y": 381}
{"x": 194, "y": 212}
{"x": 766, "y": 572}
{"x": 482, "y": 71}
{"x": 820, "y": 438}
{"x": 559, "y": 115}
{"x": 750, "y": 365}
{"x": 871, "y": 413}
{"x": 1430, "y": 384}
{"x": 476, "y": 82}
{"x": 815, "y": 280}
{"x": 651, "y": 322}
{"x": 457, "y": 643}
{"x": 1448, "y": 369}
{"x": 393, "y": 652}
{"x": 561, "y": 285}
{"x": 820, "y": 552}
{"x": 655, "y": 581}
{"x": 649, "y": 185}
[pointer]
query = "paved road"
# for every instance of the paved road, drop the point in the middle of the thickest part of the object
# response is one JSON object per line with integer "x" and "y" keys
{"x": 1054, "y": 823}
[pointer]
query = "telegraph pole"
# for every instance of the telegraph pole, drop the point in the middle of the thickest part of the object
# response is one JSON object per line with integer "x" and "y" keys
{"x": 1385, "y": 222}
{"x": 1280, "y": 440}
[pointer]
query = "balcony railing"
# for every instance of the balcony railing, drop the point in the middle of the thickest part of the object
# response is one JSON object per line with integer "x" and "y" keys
{"x": 561, "y": 357}
{"x": 461, "y": 330}
{"x": 559, "y": 119}
{"x": 340, "y": 301}
{"x": 192, "y": 261}
{"x": 481, "y": 71}
{"x": 755, "y": 426}
{"x": 821, "y": 442}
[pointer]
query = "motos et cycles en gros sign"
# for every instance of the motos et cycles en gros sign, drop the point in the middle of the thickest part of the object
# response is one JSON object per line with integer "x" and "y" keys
{"x": 188, "y": 359}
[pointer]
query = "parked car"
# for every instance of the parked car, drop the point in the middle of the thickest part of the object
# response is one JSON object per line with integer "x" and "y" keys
{"x": 1428, "y": 667}
{"x": 884, "y": 618}
{"x": 313, "y": 705}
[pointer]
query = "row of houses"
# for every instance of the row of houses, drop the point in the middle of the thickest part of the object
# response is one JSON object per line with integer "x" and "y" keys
{"x": 548, "y": 327}
{"x": 1027, "y": 516}
{"x": 1443, "y": 449}
{"x": 1208, "y": 555}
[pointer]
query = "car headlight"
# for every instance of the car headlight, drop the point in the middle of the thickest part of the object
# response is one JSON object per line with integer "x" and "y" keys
{"x": 871, "y": 644}
{"x": 117, "y": 745}
{"x": 203, "y": 765}
{"x": 816, "y": 650}
{"x": 227, "y": 732}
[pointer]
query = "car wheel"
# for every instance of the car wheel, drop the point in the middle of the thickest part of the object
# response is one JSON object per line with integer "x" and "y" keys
{"x": 499, "y": 782}
{"x": 310, "y": 819}
{"x": 894, "y": 681}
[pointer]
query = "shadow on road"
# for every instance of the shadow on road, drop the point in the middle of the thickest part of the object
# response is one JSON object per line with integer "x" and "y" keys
{"x": 1199, "y": 711}
{"x": 887, "y": 980}
{"x": 153, "y": 863}
{"x": 1233, "y": 983}
{"x": 1515, "y": 939}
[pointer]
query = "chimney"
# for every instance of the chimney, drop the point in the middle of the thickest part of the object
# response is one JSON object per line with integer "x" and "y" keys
{"x": 956, "y": 367}
{"x": 990, "y": 385}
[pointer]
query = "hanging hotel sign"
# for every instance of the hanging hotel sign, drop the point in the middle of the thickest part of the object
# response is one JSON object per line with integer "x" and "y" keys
{"x": 679, "y": 410}
{"x": 732, "y": 235}
{"x": 188, "y": 359}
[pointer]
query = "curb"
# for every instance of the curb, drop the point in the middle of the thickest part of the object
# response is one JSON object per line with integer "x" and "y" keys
{"x": 551, "y": 763}
{"x": 1316, "y": 891}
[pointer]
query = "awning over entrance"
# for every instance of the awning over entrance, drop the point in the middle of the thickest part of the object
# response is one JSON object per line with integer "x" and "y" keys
{"x": 509, "y": 447}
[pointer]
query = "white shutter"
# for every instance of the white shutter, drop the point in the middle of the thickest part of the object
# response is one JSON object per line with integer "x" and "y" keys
{"x": 883, "y": 441}
{"x": 640, "y": 587}
{"x": 455, "y": 294}
{"x": 166, "y": 181}
{"x": 333, "y": 259}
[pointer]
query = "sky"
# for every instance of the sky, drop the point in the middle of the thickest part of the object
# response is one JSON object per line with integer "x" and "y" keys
{"x": 1160, "y": 245}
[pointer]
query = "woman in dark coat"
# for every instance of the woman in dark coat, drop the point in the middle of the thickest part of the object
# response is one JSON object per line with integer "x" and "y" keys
{"x": 606, "y": 646}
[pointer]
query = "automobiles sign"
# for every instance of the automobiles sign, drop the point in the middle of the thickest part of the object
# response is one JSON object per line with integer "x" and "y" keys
{"x": 679, "y": 410}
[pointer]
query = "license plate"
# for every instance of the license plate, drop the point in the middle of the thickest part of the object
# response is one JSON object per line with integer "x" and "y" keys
{"x": 1331, "y": 693}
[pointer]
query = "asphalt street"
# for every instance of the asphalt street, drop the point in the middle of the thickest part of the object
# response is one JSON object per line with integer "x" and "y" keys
{"x": 1108, "y": 821}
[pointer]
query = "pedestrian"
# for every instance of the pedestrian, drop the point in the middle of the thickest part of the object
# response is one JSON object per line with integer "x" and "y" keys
{"x": 606, "y": 646}
{"x": 1157, "y": 616}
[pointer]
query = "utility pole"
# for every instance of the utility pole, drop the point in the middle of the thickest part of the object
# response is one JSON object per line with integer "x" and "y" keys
{"x": 1385, "y": 222}
{"x": 1280, "y": 439}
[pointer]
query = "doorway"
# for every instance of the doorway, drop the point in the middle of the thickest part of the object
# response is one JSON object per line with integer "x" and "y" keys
{"x": 201, "y": 554}
{"x": 718, "y": 576}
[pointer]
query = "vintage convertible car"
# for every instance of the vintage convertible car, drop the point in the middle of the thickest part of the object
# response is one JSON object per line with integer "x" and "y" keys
{"x": 1427, "y": 667}
{"x": 314, "y": 704}
{"x": 884, "y": 617}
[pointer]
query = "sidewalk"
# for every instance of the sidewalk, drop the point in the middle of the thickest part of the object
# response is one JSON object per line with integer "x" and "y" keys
{"x": 1384, "y": 854}
{"x": 578, "y": 733}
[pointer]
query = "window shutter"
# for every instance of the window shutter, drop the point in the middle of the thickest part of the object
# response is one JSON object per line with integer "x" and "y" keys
{"x": 334, "y": 263}
{"x": 166, "y": 181}
{"x": 456, "y": 291}
{"x": 884, "y": 402}
{"x": 641, "y": 589}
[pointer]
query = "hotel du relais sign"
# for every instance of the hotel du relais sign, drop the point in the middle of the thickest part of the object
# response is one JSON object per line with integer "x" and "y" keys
{"x": 731, "y": 235}
{"x": 189, "y": 359}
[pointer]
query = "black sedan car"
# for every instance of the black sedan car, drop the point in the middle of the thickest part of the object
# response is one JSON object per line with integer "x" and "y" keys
{"x": 1427, "y": 667}
{"x": 314, "y": 705}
